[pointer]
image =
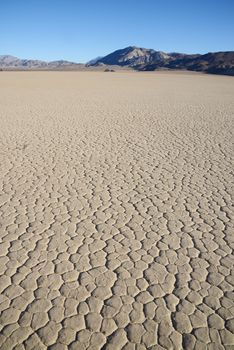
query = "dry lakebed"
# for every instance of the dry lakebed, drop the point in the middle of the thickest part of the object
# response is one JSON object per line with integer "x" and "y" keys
{"x": 116, "y": 211}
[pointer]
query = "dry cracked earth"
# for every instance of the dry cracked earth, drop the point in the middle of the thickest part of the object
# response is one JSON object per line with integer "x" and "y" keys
{"x": 116, "y": 211}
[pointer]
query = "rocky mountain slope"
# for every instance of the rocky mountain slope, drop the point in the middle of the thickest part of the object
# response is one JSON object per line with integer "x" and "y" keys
{"x": 213, "y": 62}
{"x": 132, "y": 56}
{"x": 149, "y": 60}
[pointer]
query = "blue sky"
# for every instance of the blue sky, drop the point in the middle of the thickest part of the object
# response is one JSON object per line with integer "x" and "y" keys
{"x": 80, "y": 30}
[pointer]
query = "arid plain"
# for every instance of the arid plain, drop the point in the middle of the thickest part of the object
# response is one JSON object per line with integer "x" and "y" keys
{"x": 116, "y": 211}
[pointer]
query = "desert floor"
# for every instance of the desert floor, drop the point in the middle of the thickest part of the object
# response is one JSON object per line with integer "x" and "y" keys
{"x": 116, "y": 211}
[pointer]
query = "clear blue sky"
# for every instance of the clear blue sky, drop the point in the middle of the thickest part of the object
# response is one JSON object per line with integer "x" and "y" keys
{"x": 80, "y": 30}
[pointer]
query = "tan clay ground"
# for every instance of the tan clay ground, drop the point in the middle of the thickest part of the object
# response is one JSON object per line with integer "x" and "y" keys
{"x": 116, "y": 211}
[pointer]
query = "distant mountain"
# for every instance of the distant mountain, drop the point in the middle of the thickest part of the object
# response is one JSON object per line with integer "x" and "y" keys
{"x": 149, "y": 60}
{"x": 137, "y": 58}
{"x": 132, "y": 56}
{"x": 11, "y": 62}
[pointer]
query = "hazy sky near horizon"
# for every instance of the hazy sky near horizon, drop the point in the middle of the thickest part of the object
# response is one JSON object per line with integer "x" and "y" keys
{"x": 81, "y": 30}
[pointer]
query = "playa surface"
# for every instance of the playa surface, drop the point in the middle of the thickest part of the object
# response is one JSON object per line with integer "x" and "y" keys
{"x": 116, "y": 212}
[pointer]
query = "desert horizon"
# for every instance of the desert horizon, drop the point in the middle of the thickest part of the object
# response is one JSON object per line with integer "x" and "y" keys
{"x": 132, "y": 58}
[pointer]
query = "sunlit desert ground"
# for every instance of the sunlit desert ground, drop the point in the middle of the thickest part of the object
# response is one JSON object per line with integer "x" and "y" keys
{"x": 116, "y": 212}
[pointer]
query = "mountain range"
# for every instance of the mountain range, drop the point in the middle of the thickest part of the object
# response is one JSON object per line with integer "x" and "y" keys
{"x": 11, "y": 62}
{"x": 150, "y": 60}
{"x": 136, "y": 58}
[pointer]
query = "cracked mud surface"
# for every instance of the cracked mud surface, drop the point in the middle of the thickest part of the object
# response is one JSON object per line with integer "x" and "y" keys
{"x": 116, "y": 211}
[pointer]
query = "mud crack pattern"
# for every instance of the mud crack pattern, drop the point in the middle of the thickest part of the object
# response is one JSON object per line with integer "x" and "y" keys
{"x": 116, "y": 211}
